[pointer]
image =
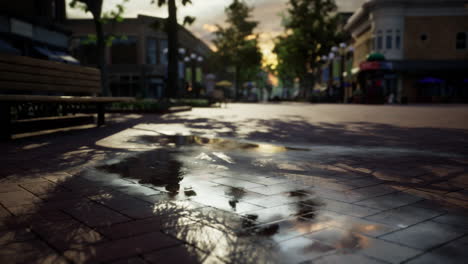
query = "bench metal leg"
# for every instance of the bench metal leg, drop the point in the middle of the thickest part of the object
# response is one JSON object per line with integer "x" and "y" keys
{"x": 5, "y": 121}
{"x": 101, "y": 114}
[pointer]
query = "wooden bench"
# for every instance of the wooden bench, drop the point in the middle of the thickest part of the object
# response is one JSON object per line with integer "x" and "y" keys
{"x": 29, "y": 86}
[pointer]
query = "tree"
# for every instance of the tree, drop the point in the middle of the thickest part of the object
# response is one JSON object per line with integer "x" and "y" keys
{"x": 100, "y": 18}
{"x": 311, "y": 30}
{"x": 171, "y": 27}
{"x": 290, "y": 59}
{"x": 237, "y": 45}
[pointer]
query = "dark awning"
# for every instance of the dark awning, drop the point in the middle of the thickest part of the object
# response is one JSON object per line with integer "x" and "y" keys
{"x": 67, "y": 58}
{"x": 59, "y": 56}
{"x": 7, "y": 48}
{"x": 414, "y": 66}
{"x": 431, "y": 80}
{"x": 47, "y": 53}
{"x": 375, "y": 65}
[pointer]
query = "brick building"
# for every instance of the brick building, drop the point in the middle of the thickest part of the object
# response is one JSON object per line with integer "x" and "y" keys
{"x": 137, "y": 57}
{"x": 425, "y": 45}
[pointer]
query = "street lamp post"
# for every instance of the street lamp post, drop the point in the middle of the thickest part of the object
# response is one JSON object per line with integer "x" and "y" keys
{"x": 341, "y": 51}
{"x": 331, "y": 57}
{"x": 192, "y": 60}
{"x": 199, "y": 60}
{"x": 342, "y": 70}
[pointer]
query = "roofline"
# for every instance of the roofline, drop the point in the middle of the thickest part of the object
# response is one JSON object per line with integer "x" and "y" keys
{"x": 138, "y": 18}
{"x": 358, "y": 15}
{"x": 369, "y": 5}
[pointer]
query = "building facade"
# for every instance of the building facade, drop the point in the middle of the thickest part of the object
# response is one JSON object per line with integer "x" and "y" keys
{"x": 137, "y": 58}
{"x": 35, "y": 28}
{"x": 424, "y": 47}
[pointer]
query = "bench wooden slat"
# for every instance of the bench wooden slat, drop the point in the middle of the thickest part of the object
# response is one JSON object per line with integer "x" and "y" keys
{"x": 22, "y": 60}
{"x": 18, "y": 73}
{"x": 39, "y": 87}
{"x": 6, "y": 67}
{"x": 25, "y": 77}
{"x": 69, "y": 99}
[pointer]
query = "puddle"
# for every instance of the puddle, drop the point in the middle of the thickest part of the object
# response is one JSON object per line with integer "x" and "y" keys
{"x": 235, "y": 178}
{"x": 158, "y": 168}
{"x": 214, "y": 143}
{"x": 186, "y": 167}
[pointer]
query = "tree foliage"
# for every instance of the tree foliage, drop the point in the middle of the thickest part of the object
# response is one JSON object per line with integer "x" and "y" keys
{"x": 311, "y": 29}
{"x": 237, "y": 45}
{"x": 95, "y": 8}
{"x": 100, "y": 18}
{"x": 188, "y": 20}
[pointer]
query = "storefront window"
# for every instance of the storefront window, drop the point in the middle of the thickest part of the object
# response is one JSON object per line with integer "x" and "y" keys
{"x": 389, "y": 39}
{"x": 163, "y": 55}
{"x": 125, "y": 85}
{"x": 85, "y": 50}
{"x": 151, "y": 51}
{"x": 461, "y": 40}
{"x": 124, "y": 51}
{"x": 397, "y": 40}
{"x": 379, "y": 40}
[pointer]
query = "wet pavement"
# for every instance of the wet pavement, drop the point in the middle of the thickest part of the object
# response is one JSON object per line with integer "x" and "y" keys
{"x": 145, "y": 193}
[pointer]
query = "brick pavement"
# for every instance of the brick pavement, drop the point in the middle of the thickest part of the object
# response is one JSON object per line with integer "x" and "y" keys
{"x": 109, "y": 195}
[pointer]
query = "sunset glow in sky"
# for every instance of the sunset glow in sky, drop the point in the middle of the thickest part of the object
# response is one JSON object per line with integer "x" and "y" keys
{"x": 208, "y": 13}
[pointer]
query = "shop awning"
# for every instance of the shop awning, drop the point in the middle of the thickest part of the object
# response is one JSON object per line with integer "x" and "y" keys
{"x": 224, "y": 83}
{"x": 67, "y": 58}
{"x": 420, "y": 66}
{"x": 7, "y": 48}
{"x": 431, "y": 80}
{"x": 375, "y": 65}
{"x": 59, "y": 56}
{"x": 47, "y": 53}
{"x": 375, "y": 57}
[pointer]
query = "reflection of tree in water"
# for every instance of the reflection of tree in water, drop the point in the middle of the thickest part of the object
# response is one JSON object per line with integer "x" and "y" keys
{"x": 236, "y": 194}
{"x": 309, "y": 208}
{"x": 157, "y": 167}
{"x": 306, "y": 211}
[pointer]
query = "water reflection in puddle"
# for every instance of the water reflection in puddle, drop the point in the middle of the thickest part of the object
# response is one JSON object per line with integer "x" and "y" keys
{"x": 189, "y": 167}
{"x": 214, "y": 143}
{"x": 256, "y": 204}
{"x": 228, "y": 175}
{"x": 158, "y": 168}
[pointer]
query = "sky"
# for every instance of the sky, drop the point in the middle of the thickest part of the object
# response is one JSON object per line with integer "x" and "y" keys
{"x": 209, "y": 13}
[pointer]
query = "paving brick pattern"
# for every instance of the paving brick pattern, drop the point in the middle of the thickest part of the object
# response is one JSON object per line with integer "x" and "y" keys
{"x": 322, "y": 205}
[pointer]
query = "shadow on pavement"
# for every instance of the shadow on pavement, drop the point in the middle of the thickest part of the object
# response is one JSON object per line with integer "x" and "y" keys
{"x": 51, "y": 209}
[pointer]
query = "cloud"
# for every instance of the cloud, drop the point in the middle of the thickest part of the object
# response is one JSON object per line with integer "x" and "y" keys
{"x": 210, "y": 28}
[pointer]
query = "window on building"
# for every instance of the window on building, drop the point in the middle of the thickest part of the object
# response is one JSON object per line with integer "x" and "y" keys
{"x": 124, "y": 51}
{"x": 163, "y": 51}
{"x": 85, "y": 50}
{"x": 397, "y": 40}
{"x": 389, "y": 39}
{"x": 461, "y": 40}
{"x": 151, "y": 51}
{"x": 379, "y": 40}
{"x": 125, "y": 85}
{"x": 371, "y": 44}
{"x": 423, "y": 37}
